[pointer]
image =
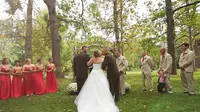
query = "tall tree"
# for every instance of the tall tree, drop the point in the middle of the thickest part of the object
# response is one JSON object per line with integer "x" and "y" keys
{"x": 170, "y": 34}
{"x": 51, "y": 4}
{"x": 28, "y": 42}
{"x": 115, "y": 21}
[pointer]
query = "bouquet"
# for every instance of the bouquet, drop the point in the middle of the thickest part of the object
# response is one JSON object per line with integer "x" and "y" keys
{"x": 18, "y": 71}
{"x": 127, "y": 87}
{"x": 30, "y": 69}
{"x": 72, "y": 88}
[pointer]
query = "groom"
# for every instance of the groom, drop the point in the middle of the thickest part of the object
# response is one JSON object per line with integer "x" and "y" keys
{"x": 80, "y": 67}
{"x": 110, "y": 65}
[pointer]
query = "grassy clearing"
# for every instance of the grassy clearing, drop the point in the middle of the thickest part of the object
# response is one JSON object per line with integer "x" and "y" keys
{"x": 135, "y": 101}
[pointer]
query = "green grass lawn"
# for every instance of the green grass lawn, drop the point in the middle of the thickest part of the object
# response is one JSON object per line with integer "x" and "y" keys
{"x": 134, "y": 101}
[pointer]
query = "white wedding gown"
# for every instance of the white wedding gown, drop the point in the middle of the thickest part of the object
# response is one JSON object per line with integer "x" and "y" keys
{"x": 95, "y": 95}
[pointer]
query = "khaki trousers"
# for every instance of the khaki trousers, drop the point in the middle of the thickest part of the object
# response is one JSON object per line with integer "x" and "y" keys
{"x": 168, "y": 83}
{"x": 122, "y": 84}
{"x": 187, "y": 81}
{"x": 148, "y": 78}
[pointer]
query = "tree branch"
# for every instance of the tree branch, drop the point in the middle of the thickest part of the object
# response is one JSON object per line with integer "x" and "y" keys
{"x": 69, "y": 21}
{"x": 187, "y": 5}
{"x": 180, "y": 38}
{"x": 196, "y": 34}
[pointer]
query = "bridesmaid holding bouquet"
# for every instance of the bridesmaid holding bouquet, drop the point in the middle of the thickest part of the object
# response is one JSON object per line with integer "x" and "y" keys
{"x": 5, "y": 82}
{"x": 51, "y": 84}
{"x": 28, "y": 71}
{"x": 38, "y": 77}
{"x": 17, "y": 85}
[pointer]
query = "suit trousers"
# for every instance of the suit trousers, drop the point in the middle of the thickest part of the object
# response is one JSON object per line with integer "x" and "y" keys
{"x": 148, "y": 78}
{"x": 168, "y": 83}
{"x": 114, "y": 88}
{"x": 122, "y": 84}
{"x": 187, "y": 81}
{"x": 80, "y": 82}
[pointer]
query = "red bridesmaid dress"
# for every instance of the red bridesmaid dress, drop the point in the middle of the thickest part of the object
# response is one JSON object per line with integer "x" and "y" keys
{"x": 5, "y": 85}
{"x": 17, "y": 85}
{"x": 29, "y": 84}
{"x": 39, "y": 81}
{"x": 51, "y": 85}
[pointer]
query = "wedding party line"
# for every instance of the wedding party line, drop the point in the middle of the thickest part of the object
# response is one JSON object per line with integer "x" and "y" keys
{"x": 93, "y": 90}
{"x": 26, "y": 80}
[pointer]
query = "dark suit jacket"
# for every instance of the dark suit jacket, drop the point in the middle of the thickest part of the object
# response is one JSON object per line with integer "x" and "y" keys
{"x": 112, "y": 72}
{"x": 80, "y": 67}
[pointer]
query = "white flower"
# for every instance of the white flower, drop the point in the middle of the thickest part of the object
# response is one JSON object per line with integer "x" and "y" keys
{"x": 72, "y": 88}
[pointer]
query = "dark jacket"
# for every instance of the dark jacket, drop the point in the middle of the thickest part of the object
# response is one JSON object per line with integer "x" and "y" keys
{"x": 80, "y": 67}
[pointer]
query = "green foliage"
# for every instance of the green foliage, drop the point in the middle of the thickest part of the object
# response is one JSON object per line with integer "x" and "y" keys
{"x": 66, "y": 56}
{"x": 41, "y": 40}
{"x": 14, "y": 6}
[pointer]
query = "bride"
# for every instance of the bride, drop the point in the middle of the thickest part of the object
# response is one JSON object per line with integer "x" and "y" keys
{"x": 95, "y": 95}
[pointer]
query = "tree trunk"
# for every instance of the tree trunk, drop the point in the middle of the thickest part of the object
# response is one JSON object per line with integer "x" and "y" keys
{"x": 51, "y": 4}
{"x": 115, "y": 21}
{"x": 170, "y": 34}
{"x": 197, "y": 53}
{"x": 190, "y": 37}
{"x": 28, "y": 42}
{"x": 121, "y": 24}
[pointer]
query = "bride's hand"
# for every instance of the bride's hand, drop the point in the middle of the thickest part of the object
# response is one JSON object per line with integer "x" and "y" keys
{"x": 106, "y": 68}
{"x": 90, "y": 62}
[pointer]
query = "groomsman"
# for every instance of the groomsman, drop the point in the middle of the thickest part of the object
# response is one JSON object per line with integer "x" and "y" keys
{"x": 186, "y": 64}
{"x": 166, "y": 66}
{"x": 122, "y": 64}
{"x": 147, "y": 66}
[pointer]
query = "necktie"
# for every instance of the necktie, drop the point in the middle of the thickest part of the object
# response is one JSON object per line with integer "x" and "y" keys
{"x": 143, "y": 59}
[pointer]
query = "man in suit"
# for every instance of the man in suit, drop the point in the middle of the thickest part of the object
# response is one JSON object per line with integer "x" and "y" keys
{"x": 147, "y": 66}
{"x": 122, "y": 64}
{"x": 166, "y": 67}
{"x": 80, "y": 67}
{"x": 186, "y": 64}
{"x": 109, "y": 63}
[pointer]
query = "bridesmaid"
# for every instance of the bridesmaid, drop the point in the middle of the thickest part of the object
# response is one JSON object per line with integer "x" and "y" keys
{"x": 28, "y": 71}
{"x": 38, "y": 77}
{"x": 5, "y": 82}
{"x": 51, "y": 85}
{"x": 17, "y": 85}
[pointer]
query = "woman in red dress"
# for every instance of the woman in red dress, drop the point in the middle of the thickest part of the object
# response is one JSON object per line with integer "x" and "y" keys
{"x": 17, "y": 85}
{"x": 51, "y": 85}
{"x": 28, "y": 71}
{"x": 5, "y": 82}
{"x": 38, "y": 78}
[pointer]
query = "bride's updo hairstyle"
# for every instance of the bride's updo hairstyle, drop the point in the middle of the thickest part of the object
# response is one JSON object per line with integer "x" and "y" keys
{"x": 96, "y": 53}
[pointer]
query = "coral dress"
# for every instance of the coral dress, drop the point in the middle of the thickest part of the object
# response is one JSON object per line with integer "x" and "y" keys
{"x": 17, "y": 85}
{"x": 5, "y": 85}
{"x": 39, "y": 81}
{"x": 29, "y": 84}
{"x": 51, "y": 84}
